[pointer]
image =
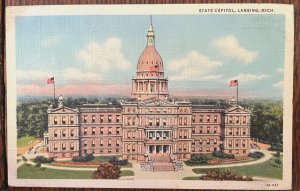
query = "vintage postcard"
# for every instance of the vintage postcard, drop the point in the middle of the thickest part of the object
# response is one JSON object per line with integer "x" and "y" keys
{"x": 150, "y": 96}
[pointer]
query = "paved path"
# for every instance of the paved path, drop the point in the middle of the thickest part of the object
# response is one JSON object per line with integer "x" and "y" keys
{"x": 177, "y": 175}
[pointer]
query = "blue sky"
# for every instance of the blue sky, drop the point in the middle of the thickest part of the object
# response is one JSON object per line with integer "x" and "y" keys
{"x": 97, "y": 55}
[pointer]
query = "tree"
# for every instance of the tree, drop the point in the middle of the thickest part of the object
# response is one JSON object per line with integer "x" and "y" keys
{"x": 107, "y": 171}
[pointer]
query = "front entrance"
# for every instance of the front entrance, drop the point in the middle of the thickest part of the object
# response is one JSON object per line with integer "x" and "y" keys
{"x": 158, "y": 149}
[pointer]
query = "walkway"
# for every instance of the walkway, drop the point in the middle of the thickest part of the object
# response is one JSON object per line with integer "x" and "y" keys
{"x": 173, "y": 175}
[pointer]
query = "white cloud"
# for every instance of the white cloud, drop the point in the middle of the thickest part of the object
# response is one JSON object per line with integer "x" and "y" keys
{"x": 31, "y": 75}
{"x": 65, "y": 76}
{"x": 194, "y": 66}
{"x": 249, "y": 77}
{"x": 105, "y": 56}
{"x": 280, "y": 70}
{"x": 51, "y": 41}
{"x": 230, "y": 47}
{"x": 278, "y": 85}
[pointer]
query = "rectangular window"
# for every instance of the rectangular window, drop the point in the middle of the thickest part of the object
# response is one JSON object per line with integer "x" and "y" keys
{"x": 109, "y": 142}
{"x": 84, "y": 118}
{"x": 109, "y": 130}
{"x": 118, "y": 118}
{"x": 85, "y": 131}
{"x": 133, "y": 121}
{"x": 208, "y": 129}
{"x": 201, "y": 129}
{"x": 93, "y": 131}
{"x": 72, "y": 120}
{"x": 55, "y": 121}
{"x": 193, "y": 130}
{"x": 93, "y": 143}
{"x": 193, "y": 118}
{"x": 208, "y": 118}
{"x": 215, "y": 118}
{"x": 118, "y": 130}
{"x": 64, "y": 133}
{"x": 72, "y": 133}
{"x": 215, "y": 129}
{"x": 230, "y": 119}
{"x": 244, "y": 119}
{"x": 64, "y": 121}
{"x": 128, "y": 120}
{"x": 101, "y": 142}
{"x": 215, "y": 141}
{"x": 237, "y": 119}
{"x": 180, "y": 121}
{"x": 109, "y": 119}
{"x": 208, "y": 142}
{"x": 93, "y": 118}
{"x": 55, "y": 134}
{"x": 101, "y": 118}
{"x": 101, "y": 130}
{"x": 201, "y": 118}
{"x": 185, "y": 121}
{"x": 118, "y": 143}
{"x": 200, "y": 141}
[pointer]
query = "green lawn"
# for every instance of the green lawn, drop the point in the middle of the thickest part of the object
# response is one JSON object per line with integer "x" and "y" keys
{"x": 267, "y": 169}
{"x": 127, "y": 173}
{"x": 23, "y": 142}
{"x": 32, "y": 172}
{"x": 191, "y": 178}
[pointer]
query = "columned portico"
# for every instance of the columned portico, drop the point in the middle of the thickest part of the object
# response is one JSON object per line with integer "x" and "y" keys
{"x": 158, "y": 149}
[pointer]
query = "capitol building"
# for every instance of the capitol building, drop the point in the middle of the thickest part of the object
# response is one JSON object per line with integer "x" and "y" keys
{"x": 151, "y": 124}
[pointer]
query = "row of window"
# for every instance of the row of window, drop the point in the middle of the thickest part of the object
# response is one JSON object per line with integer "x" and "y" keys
{"x": 207, "y": 149}
{"x": 201, "y": 141}
{"x": 102, "y": 143}
{"x": 103, "y": 131}
{"x": 205, "y": 118}
{"x": 208, "y": 129}
{"x": 231, "y": 131}
{"x": 64, "y": 146}
{"x": 237, "y": 143}
{"x": 93, "y": 151}
{"x": 156, "y": 110}
{"x": 237, "y": 119}
{"x": 64, "y": 120}
{"x": 101, "y": 119}
{"x": 64, "y": 133}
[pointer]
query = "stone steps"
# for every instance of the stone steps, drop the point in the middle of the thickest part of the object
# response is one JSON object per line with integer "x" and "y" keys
{"x": 163, "y": 166}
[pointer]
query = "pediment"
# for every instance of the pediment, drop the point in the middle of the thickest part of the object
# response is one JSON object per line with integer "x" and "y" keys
{"x": 237, "y": 109}
{"x": 63, "y": 109}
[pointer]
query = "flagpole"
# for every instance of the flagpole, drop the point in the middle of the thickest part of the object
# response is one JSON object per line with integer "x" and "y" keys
{"x": 237, "y": 93}
{"x": 54, "y": 90}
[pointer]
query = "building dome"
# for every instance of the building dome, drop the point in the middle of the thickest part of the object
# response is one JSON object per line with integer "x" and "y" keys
{"x": 149, "y": 59}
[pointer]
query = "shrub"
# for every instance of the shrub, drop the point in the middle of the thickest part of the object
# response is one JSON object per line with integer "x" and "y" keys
{"x": 107, "y": 171}
{"x": 198, "y": 159}
{"x": 277, "y": 154}
{"x": 278, "y": 162}
{"x": 42, "y": 159}
{"x": 222, "y": 155}
{"x": 115, "y": 161}
{"x": 256, "y": 155}
{"x": 225, "y": 175}
{"x": 24, "y": 159}
{"x": 38, "y": 165}
{"x": 85, "y": 158}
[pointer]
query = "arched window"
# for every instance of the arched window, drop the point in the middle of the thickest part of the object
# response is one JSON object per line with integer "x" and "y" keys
{"x": 55, "y": 146}
{"x": 63, "y": 146}
{"x": 71, "y": 146}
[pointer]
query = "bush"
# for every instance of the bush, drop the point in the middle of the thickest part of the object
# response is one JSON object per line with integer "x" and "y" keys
{"x": 115, "y": 161}
{"x": 42, "y": 159}
{"x": 198, "y": 159}
{"x": 38, "y": 165}
{"x": 24, "y": 159}
{"x": 277, "y": 154}
{"x": 278, "y": 161}
{"x": 107, "y": 171}
{"x": 85, "y": 158}
{"x": 225, "y": 175}
{"x": 256, "y": 155}
{"x": 222, "y": 155}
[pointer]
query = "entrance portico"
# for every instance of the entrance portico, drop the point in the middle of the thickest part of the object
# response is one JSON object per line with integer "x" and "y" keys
{"x": 158, "y": 149}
